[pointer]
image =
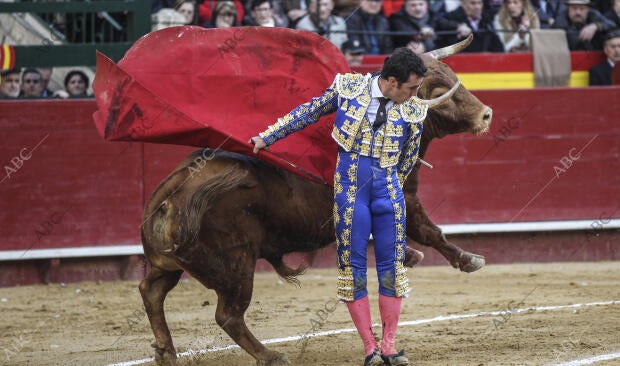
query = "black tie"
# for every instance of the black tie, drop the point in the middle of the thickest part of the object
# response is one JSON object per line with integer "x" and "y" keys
{"x": 381, "y": 117}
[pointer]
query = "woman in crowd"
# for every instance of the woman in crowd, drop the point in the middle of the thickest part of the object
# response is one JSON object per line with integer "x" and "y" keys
{"x": 76, "y": 85}
{"x": 187, "y": 8}
{"x": 224, "y": 16}
{"x": 513, "y": 23}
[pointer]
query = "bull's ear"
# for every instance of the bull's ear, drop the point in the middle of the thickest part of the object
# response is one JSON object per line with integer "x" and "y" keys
{"x": 451, "y": 50}
{"x": 436, "y": 101}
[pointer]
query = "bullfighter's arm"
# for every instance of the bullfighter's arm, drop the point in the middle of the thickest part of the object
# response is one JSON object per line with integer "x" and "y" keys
{"x": 409, "y": 155}
{"x": 302, "y": 116}
{"x": 414, "y": 113}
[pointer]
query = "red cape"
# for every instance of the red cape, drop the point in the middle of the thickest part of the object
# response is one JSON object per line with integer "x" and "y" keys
{"x": 217, "y": 88}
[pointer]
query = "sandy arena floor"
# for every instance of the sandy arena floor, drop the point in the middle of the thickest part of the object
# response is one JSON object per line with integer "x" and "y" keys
{"x": 104, "y": 323}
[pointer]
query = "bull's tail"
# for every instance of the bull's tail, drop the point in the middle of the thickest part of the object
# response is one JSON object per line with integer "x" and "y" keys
{"x": 199, "y": 202}
{"x": 289, "y": 274}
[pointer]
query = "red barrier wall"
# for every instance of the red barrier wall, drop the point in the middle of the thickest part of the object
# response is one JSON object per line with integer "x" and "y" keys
{"x": 63, "y": 186}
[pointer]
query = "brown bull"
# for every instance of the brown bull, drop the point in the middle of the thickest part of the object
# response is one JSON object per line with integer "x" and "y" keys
{"x": 217, "y": 222}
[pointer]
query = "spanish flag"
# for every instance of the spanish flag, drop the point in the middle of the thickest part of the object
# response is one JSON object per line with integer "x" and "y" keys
{"x": 7, "y": 57}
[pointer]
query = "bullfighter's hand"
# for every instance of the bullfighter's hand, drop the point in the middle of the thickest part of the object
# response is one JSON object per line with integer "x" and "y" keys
{"x": 259, "y": 144}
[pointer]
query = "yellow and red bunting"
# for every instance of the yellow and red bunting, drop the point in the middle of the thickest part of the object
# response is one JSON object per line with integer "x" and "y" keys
{"x": 482, "y": 71}
{"x": 7, "y": 57}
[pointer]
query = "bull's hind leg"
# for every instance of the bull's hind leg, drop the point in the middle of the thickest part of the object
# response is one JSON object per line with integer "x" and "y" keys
{"x": 154, "y": 289}
{"x": 229, "y": 315}
{"x": 233, "y": 283}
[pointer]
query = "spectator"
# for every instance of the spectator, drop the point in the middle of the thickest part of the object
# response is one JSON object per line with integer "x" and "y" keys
{"x": 585, "y": 28}
{"x": 415, "y": 19}
{"x": 206, "y": 7}
{"x": 601, "y": 74}
{"x": 31, "y": 84}
{"x": 443, "y": 7}
{"x": 9, "y": 84}
{"x": 513, "y": 23}
{"x": 262, "y": 14}
{"x": 370, "y": 27}
{"x": 613, "y": 14}
{"x": 295, "y": 10}
{"x": 320, "y": 20}
{"x": 344, "y": 8}
{"x": 76, "y": 85}
{"x": 280, "y": 12}
{"x": 548, "y": 11}
{"x": 187, "y": 8}
{"x": 491, "y": 7}
{"x": 224, "y": 16}
{"x": 165, "y": 18}
{"x": 353, "y": 52}
{"x": 46, "y": 75}
{"x": 467, "y": 19}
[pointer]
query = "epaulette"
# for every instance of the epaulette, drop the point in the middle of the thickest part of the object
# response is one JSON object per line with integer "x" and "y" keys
{"x": 413, "y": 111}
{"x": 350, "y": 86}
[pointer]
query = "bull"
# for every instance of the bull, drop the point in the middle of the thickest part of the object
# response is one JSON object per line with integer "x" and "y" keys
{"x": 216, "y": 223}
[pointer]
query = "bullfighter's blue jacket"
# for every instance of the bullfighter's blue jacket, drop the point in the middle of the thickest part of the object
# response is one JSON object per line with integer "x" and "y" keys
{"x": 396, "y": 143}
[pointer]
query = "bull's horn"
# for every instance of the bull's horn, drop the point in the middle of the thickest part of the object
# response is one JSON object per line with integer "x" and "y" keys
{"x": 435, "y": 101}
{"x": 450, "y": 50}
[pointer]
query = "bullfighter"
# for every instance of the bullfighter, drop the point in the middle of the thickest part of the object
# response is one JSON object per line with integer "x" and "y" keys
{"x": 377, "y": 127}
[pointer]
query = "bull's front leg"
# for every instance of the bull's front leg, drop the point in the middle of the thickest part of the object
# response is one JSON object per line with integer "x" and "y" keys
{"x": 421, "y": 229}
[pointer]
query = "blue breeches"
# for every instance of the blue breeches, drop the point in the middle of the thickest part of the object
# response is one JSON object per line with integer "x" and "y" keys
{"x": 368, "y": 199}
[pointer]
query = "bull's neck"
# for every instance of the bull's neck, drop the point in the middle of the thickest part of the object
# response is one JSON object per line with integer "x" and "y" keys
{"x": 430, "y": 131}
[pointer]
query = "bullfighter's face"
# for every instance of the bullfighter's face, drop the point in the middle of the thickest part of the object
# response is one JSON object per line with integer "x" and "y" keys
{"x": 400, "y": 93}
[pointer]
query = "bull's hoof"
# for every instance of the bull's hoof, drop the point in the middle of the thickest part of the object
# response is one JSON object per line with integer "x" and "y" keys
{"x": 275, "y": 359}
{"x": 166, "y": 359}
{"x": 412, "y": 257}
{"x": 470, "y": 262}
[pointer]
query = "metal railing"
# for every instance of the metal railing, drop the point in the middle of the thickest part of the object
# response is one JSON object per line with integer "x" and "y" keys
{"x": 76, "y": 29}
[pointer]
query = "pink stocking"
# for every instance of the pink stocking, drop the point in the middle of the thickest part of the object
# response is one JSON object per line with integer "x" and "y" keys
{"x": 360, "y": 314}
{"x": 390, "y": 311}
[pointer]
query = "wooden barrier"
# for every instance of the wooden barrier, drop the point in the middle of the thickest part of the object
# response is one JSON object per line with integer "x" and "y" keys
{"x": 551, "y": 155}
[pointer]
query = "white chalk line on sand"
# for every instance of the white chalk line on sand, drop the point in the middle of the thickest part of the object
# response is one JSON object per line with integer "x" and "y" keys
{"x": 441, "y": 318}
{"x": 591, "y": 360}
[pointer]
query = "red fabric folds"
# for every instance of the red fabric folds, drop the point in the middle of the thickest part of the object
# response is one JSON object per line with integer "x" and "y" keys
{"x": 217, "y": 88}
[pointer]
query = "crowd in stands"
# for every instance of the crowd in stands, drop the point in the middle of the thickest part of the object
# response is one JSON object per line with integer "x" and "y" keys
{"x": 382, "y": 25}
{"x": 34, "y": 82}
{"x": 376, "y": 27}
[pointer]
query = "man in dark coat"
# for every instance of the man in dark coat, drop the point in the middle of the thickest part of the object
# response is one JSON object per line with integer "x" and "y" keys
{"x": 470, "y": 18}
{"x": 548, "y": 11}
{"x": 370, "y": 28}
{"x": 601, "y": 74}
{"x": 585, "y": 27}
{"x": 416, "y": 19}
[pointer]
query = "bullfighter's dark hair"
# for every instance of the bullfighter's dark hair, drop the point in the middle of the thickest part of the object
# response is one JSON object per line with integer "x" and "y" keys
{"x": 401, "y": 64}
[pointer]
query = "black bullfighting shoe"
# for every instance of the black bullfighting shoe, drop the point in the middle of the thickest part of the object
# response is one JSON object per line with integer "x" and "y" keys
{"x": 397, "y": 359}
{"x": 373, "y": 359}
